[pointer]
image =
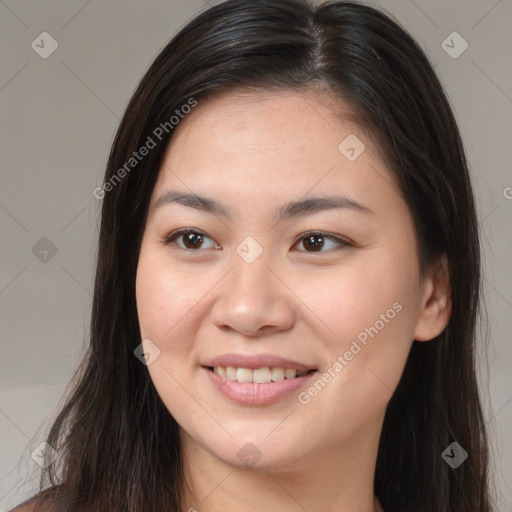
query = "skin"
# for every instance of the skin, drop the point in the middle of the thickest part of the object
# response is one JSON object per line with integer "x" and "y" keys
{"x": 253, "y": 152}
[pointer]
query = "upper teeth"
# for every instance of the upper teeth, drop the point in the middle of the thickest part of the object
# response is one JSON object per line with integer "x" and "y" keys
{"x": 259, "y": 376}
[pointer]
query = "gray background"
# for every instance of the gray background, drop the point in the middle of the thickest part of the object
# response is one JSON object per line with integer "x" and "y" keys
{"x": 59, "y": 116}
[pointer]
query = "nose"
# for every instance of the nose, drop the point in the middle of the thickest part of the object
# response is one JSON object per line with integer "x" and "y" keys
{"x": 254, "y": 299}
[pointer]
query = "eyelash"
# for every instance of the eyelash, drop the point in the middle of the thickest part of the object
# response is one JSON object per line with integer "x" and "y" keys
{"x": 172, "y": 237}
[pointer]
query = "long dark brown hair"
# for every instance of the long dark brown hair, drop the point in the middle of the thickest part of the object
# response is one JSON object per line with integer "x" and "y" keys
{"x": 118, "y": 445}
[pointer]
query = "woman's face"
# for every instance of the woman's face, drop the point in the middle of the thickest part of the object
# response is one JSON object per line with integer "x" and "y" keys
{"x": 252, "y": 289}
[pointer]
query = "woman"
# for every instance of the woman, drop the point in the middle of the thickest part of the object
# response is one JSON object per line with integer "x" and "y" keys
{"x": 287, "y": 282}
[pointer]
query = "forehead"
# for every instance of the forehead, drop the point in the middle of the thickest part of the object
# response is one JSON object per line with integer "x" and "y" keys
{"x": 275, "y": 120}
{"x": 252, "y": 144}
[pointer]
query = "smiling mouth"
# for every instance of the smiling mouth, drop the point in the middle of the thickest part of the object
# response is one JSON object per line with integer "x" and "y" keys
{"x": 259, "y": 375}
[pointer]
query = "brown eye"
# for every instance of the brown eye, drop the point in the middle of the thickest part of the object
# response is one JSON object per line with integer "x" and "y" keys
{"x": 192, "y": 240}
{"x": 315, "y": 242}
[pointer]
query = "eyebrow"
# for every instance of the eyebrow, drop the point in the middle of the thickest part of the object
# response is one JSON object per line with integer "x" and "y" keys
{"x": 297, "y": 208}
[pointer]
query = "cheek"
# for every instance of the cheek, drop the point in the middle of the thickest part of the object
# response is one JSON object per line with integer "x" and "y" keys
{"x": 354, "y": 297}
{"x": 166, "y": 297}
{"x": 367, "y": 314}
{"x": 167, "y": 300}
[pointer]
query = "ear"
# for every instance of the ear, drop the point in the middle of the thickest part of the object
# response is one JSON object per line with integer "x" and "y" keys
{"x": 436, "y": 303}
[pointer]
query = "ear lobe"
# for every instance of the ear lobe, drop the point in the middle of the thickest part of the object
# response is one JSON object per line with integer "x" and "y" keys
{"x": 436, "y": 303}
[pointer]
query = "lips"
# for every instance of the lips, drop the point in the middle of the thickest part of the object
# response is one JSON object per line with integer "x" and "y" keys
{"x": 256, "y": 394}
{"x": 244, "y": 379}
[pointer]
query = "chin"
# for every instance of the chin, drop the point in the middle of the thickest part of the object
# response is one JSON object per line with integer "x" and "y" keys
{"x": 255, "y": 453}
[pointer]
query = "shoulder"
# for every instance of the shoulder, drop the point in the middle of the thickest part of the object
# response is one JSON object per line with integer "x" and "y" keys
{"x": 25, "y": 507}
{"x": 33, "y": 504}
